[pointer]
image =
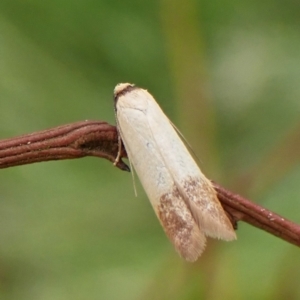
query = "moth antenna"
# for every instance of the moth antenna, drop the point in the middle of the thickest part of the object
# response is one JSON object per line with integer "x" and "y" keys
{"x": 119, "y": 155}
{"x": 133, "y": 178}
{"x": 186, "y": 142}
{"x": 119, "y": 142}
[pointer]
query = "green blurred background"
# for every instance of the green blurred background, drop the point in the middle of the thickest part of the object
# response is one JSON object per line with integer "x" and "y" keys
{"x": 228, "y": 75}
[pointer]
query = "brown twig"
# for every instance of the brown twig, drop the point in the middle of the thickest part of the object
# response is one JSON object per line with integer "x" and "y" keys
{"x": 88, "y": 138}
{"x": 94, "y": 138}
{"x": 241, "y": 209}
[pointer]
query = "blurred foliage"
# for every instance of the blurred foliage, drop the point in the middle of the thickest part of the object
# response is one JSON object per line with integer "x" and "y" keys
{"x": 227, "y": 73}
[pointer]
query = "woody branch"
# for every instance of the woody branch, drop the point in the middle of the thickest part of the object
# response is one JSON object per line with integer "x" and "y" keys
{"x": 100, "y": 139}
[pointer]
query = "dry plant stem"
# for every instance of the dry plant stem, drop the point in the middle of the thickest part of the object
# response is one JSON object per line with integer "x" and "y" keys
{"x": 95, "y": 138}
{"x": 88, "y": 138}
{"x": 241, "y": 209}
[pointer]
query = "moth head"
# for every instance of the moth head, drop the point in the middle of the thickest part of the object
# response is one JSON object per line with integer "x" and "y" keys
{"x": 127, "y": 95}
{"x": 122, "y": 89}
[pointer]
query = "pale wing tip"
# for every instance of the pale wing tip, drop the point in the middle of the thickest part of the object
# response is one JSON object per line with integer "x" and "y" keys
{"x": 198, "y": 243}
{"x": 219, "y": 229}
{"x": 121, "y": 87}
{"x": 195, "y": 249}
{"x": 229, "y": 235}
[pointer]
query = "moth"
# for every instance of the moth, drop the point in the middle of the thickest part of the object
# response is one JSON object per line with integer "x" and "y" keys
{"x": 183, "y": 199}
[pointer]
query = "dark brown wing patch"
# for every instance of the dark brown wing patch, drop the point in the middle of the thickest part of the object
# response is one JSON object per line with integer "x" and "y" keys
{"x": 180, "y": 226}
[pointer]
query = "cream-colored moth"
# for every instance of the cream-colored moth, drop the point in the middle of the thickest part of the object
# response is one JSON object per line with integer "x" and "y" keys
{"x": 183, "y": 199}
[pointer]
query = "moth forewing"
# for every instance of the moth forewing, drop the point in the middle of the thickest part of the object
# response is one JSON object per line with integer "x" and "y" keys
{"x": 206, "y": 208}
{"x": 182, "y": 197}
